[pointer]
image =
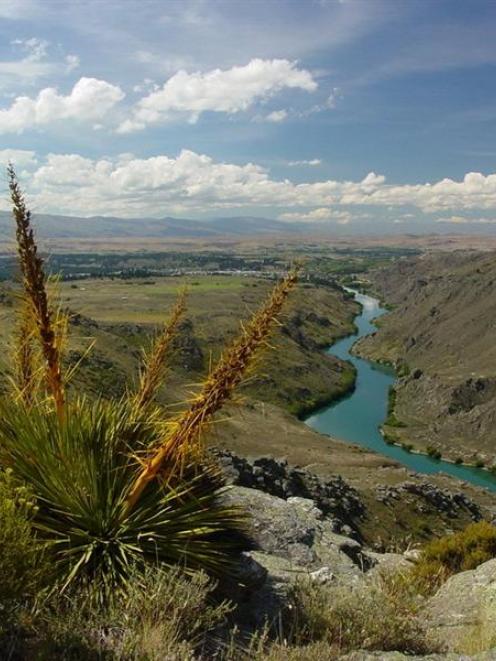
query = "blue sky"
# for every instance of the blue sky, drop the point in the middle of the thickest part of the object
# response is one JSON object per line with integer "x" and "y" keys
{"x": 357, "y": 113}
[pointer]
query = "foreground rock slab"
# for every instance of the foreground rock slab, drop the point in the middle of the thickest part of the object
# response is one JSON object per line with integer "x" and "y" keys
{"x": 462, "y": 613}
{"x": 398, "y": 656}
{"x": 296, "y": 532}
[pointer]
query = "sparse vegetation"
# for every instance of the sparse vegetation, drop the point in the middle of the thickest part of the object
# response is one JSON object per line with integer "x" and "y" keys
{"x": 379, "y": 615}
{"x": 451, "y": 554}
{"x": 161, "y": 614}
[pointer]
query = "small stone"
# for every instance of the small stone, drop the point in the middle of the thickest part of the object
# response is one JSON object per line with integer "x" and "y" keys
{"x": 412, "y": 554}
{"x": 251, "y": 574}
{"x": 322, "y": 576}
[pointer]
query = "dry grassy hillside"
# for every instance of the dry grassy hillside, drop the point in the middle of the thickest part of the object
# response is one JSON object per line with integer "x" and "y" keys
{"x": 119, "y": 315}
{"x": 442, "y": 331}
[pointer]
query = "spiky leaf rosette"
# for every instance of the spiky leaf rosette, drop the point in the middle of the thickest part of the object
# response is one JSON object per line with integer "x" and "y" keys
{"x": 80, "y": 472}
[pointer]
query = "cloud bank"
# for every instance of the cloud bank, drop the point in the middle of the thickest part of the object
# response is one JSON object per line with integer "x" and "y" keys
{"x": 197, "y": 184}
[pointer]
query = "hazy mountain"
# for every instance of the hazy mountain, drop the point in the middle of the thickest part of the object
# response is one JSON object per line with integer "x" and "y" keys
{"x": 103, "y": 227}
{"x": 57, "y": 227}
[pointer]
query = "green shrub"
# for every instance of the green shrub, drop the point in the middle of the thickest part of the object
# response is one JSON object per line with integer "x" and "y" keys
{"x": 391, "y": 400}
{"x": 403, "y": 369}
{"x": 454, "y": 553}
{"x": 392, "y": 421}
{"x": 23, "y": 570}
{"x": 458, "y": 461}
{"x": 348, "y": 378}
{"x": 433, "y": 452}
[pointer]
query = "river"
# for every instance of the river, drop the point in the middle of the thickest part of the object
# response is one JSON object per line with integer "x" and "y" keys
{"x": 357, "y": 416}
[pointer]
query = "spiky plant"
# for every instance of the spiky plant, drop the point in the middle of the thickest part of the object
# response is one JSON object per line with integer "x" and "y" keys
{"x": 25, "y": 378}
{"x": 154, "y": 361}
{"x": 50, "y": 322}
{"x": 115, "y": 484}
{"x": 81, "y": 471}
{"x": 185, "y": 435}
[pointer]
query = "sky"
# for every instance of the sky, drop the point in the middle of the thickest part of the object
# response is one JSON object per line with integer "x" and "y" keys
{"x": 375, "y": 114}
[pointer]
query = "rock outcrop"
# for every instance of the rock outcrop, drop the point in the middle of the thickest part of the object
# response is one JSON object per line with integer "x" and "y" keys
{"x": 338, "y": 501}
{"x": 442, "y": 500}
{"x": 294, "y": 539}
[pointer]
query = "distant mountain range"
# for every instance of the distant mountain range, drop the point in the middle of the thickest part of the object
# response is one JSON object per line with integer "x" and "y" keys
{"x": 107, "y": 227}
{"x": 71, "y": 227}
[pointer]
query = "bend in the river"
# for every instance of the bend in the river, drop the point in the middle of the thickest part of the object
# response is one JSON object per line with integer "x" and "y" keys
{"x": 357, "y": 416}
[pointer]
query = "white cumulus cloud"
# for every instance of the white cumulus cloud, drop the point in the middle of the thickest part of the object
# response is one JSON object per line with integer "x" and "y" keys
{"x": 23, "y": 158}
{"x": 90, "y": 99}
{"x": 276, "y": 116}
{"x": 220, "y": 90}
{"x": 321, "y": 214}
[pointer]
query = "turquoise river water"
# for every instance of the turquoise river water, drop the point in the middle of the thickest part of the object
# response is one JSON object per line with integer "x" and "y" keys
{"x": 358, "y": 416}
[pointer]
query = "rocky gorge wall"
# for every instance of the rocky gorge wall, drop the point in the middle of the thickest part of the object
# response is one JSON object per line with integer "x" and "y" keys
{"x": 441, "y": 336}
